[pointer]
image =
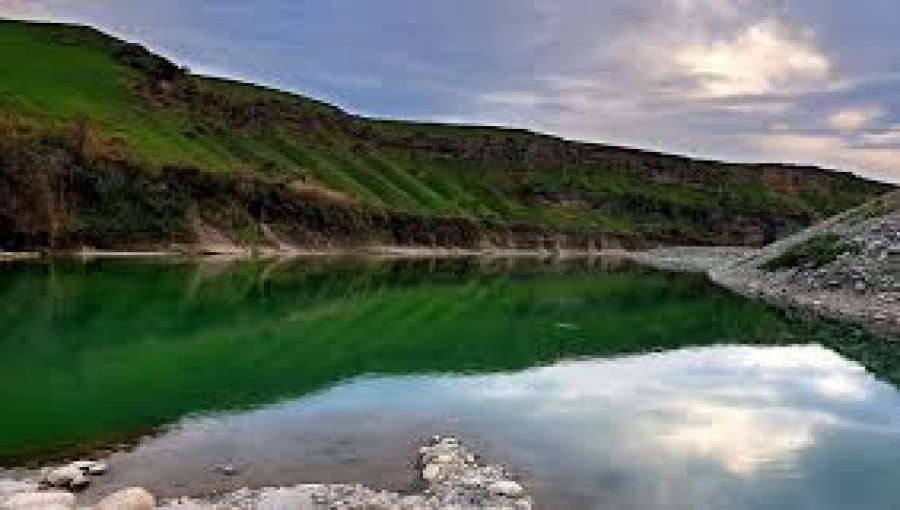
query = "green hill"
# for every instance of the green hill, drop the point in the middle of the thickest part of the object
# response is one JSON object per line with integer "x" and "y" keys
{"x": 104, "y": 143}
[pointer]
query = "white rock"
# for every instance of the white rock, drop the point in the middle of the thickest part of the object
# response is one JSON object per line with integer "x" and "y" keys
{"x": 443, "y": 458}
{"x": 79, "y": 481}
{"x": 225, "y": 469}
{"x": 523, "y": 504}
{"x": 134, "y": 498}
{"x": 66, "y": 476}
{"x": 472, "y": 482}
{"x": 187, "y": 504}
{"x": 91, "y": 467}
{"x": 50, "y": 500}
{"x": 506, "y": 488}
{"x": 97, "y": 468}
{"x": 431, "y": 472}
{"x": 285, "y": 499}
{"x": 10, "y": 487}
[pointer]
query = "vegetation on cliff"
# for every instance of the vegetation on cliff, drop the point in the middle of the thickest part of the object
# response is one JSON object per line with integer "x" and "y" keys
{"x": 103, "y": 143}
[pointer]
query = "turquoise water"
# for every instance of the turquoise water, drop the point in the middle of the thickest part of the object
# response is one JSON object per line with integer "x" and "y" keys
{"x": 602, "y": 385}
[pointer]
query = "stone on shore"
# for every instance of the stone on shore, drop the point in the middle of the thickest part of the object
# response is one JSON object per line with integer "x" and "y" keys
{"x": 453, "y": 477}
{"x": 506, "y": 488}
{"x": 49, "y": 500}
{"x": 11, "y": 487}
{"x": 73, "y": 475}
{"x": 128, "y": 499}
{"x": 66, "y": 477}
{"x": 285, "y": 499}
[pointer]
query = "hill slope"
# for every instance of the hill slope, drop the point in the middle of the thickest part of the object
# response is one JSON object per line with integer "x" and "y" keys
{"x": 847, "y": 267}
{"x": 104, "y": 143}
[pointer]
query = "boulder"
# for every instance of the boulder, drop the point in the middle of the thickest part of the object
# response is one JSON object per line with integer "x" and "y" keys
{"x": 50, "y": 500}
{"x": 506, "y": 488}
{"x": 134, "y": 498}
{"x": 97, "y": 468}
{"x": 66, "y": 477}
{"x": 91, "y": 467}
{"x": 431, "y": 472}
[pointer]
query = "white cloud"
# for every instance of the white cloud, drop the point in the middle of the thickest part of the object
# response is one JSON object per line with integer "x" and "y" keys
{"x": 889, "y": 137}
{"x": 690, "y": 405}
{"x": 742, "y": 440}
{"x": 840, "y": 386}
{"x": 854, "y": 118}
{"x": 761, "y": 59}
{"x": 830, "y": 150}
{"x": 26, "y": 9}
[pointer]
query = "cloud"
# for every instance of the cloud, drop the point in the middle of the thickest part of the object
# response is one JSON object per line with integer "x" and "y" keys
{"x": 760, "y": 60}
{"x": 889, "y": 137}
{"x": 743, "y": 441}
{"x": 21, "y": 8}
{"x": 741, "y": 408}
{"x": 879, "y": 161}
{"x": 854, "y": 118}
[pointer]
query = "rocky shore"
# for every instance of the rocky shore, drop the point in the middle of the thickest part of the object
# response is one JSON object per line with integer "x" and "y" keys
{"x": 451, "y": 477}
{"x": 847, "y": 268}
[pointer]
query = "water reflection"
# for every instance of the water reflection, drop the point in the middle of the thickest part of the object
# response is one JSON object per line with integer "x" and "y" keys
{"x": 120, "y": 349}
{"x": 734, "y": 427}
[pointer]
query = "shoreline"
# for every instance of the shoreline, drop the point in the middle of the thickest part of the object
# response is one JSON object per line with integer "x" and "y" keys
{"x": 719, "y": 263}
{"x": 373, "y": 251}
{"x": 874, "y": 314}
{"x": 877, "y": 313}
{"x": 450, "y": 476}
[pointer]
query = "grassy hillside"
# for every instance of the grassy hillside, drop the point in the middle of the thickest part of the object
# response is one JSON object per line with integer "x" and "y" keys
{"x": 96, "y": 110}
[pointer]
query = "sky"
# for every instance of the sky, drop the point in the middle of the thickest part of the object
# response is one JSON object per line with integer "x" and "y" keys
{"x": 799, "y": 81}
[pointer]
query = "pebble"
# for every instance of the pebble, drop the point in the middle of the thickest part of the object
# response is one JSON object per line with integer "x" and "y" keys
{"x": 284, "y": 499}
{"x": 431, "y": 472}
{"x": 506, "y": 488}
{"x": 225, "y": 469}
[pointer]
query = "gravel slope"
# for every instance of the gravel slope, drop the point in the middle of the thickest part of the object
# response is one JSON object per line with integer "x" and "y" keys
{"x": 860, "y": 283}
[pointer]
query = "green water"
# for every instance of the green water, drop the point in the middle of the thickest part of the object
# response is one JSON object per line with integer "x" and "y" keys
{"x": 101, "y": 352}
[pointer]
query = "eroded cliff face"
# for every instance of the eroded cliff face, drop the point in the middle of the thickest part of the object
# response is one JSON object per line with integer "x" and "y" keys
{"x": 50, "y": 198}
{"x": 50, "y": 204}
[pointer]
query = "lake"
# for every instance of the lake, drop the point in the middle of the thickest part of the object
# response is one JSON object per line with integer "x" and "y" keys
{"x": 601, "y": 384}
